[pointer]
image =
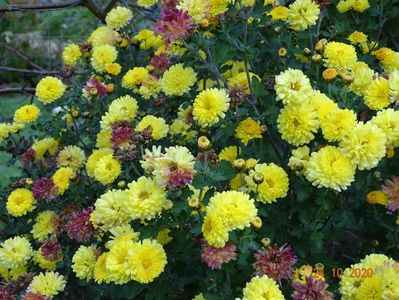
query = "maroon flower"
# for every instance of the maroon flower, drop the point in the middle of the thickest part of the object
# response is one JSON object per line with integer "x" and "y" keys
{"x": 174, "y": 24}
{"x": 51, "y": 249}
{"x": 121, "y": 136}
{"x": 79, "y": 226}
{"x": 314, "y": 289}
{"x": 95, "y": 88}
{"x": 275, "y": 262}
{"x": 44, "y": 189}
{"x": 168, "y": 4}
{"x": 7, "y": 293}
{"x": 391, "y": 189}
{"x": 33, "y": 296}
{"x": 160, "y": 63}
{"x": 179, "y": 178}
{"x": 215, "y": 257}
{"x": 28, "y": 156}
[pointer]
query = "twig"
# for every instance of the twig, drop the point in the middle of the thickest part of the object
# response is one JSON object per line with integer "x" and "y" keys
{"x": 23, "y": 56}
{"x": 24, "y": 90}
{"x": 29, "y": 71}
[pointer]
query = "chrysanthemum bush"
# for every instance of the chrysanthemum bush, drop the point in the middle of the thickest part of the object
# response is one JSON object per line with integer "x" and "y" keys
{"x": 230, "y": 149}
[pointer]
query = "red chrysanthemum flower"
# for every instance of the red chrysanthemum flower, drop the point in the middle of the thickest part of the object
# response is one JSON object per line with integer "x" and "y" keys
{"x": 121, "y": 136}
{"x": 275, "y": 262}
{"x": 174, "y": 24}
{"x": 51, "y": 249}
{"x": 391, "y": 189}
{"x": 314, "y": 289}
{"x": 95, "y": 88}
{"x": 79, "y": 226}
{"x": 44, "y": 189}
{"x": 28, "y": 156}
{"x": 168, "y": 4}
{"x": 179, "y": 178}
{"x": 34, "y": 296}
{"x": 7, "y": 293}
{"x": 160, "y": 63}
{"x": 215, "y": 257}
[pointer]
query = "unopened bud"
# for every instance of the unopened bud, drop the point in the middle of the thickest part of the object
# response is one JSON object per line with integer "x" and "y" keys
{"x": 257, "y": 222}
{"x": 121, "y": 184}
{"x": 316, "y": 58}
{"x": 29, "y": 181}
{"x": 110, "y": 87}
{"x": 203, "y": 143}
{"x": 307, "y": 52}
{"x": 239, "y": 164}
{"x": 265, "y": 242}
{"x": 75, "y": 113}
{"x": 390, "y": 153}
{"x": 258, "y": 178}
{"x": 375, "y": 243}
{"x": 204, "y": 23}
{"x": 194, "y": 202}
{"x": 263, "y": 128}
{"x": 320, "y": 45}
{"x": 329, "y": 74}
{"x": 282, "y": 52}
{"x": 93, "y": 91}
{"x": 348, "y": 77}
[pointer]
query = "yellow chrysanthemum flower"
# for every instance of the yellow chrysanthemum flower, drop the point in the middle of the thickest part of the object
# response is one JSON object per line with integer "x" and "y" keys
{"x": 197, "y": 9}
{"x": 100, "y": 273}
{"x": 44, "y": 225}
{"x": 322, "y": 103}
{"x": 71, "y": 54}
{"x": 363, "y": 78}
{"x": 377, "y": 197}
{"x": 111, "y": 209}
{"x": 218, "y": 7}
{"x": 302, "y": 14}
{"x": 125, "y": 107}
{"x": 229, "y": 153}
{"x": 20, "y": 202}
{"x": 365, "y": 145}
{"x": 83, "y": 262}
{"x": 210, "y": 106}
{"x": 339, "y": 55}
{"x": 49, "y": 89}
{"x": 103, "y": 139}
{"x": 247, "y": 130}
{"x": 388, "y": 121}
{"x": 147, "y": 199}
{"x": 214, "y": 229}
{"x": 107, "y": 169}
{"x": 62, "y": 178}
{"x": 147, "y": 260}
{"x": 357, "y": 5}
{"x": 48, "y": 145}
{"x": 394, "y": 85}
{"x": 279, "y": 12}
{"x": 71, "y": 156}
{"x": 388, "y": 58}
{"x": 150, "y": 88}
{"x": 15, "y": 252}
{"x": 102, "y": 56}
{"x": 47, "y": 284}
{"x": 12, "y": 274}
{"x": 275, "y": 182}
{"x": 299, "y": 159}
{"x": 357, "y": 37}
{"x": 330, "y": 168}
{"x": 118, "y": 17}
{"x": 156, "y": 126}
{"x": 103, "y": 35}
{"x": 113, "y": 69}
{"x": 117, "y": 265}
{"x": 146, "y": 3}
{"x": 297, "y": 124}
{"x": 26, "y": 114}
{"x": 337, "y": 124}
{"x": 94, "y": 158}
{"x": 148, "y": 39}
{"x": 178, "y": 80}
{"x": 163, "y": 236}
{"x": 262, "y": 288}
{"x": 241, "y": 79}
{"x": 292, "y": 86}
{"x": 377, "y": 94}
{"x": 134, "y": 78}
{"x": 120, "y": 233}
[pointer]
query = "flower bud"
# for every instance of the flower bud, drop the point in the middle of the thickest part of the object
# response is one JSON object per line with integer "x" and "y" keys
{"x": 110, "y": 87}
{"x": 93, "y": 91}
{"x": 282, "y": 52}
{"x": 263, "y": 128}
{"x": 194, "y": 202}
{"x": 204, "y": 23}
{"x": 377, "y": 174}
{"x": 377, "y": 197}
{"x": 75, "y": 113}
{"x": 329, "y": 74}
{"x": 257, "y": 222}
{"x": 265, "y": 242}
{"x": 203, "y": 143}
{"x": 277, "y": 29}
{"x": 307, "y": 52}
{"x": 348, "y": 77}
{"x": 239, "y": 164}
{"x": 121, "y": 184}
{"x": 316, "y": 58}
{"x": 258, "y": 178}
{"x": 29, "y": 181}
{"x": 168, "y": 205}
{"x": 390, "y": 153}
{"x": 375, "y": 243}
{"x": 320, "y": 45}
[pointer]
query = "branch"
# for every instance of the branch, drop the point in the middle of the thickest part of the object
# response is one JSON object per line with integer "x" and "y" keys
{"x": 23, "y": 56}
{"x": 24, "y": 90}
{"x": 38, "y": 7}
{"x": 29, "y": 71}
